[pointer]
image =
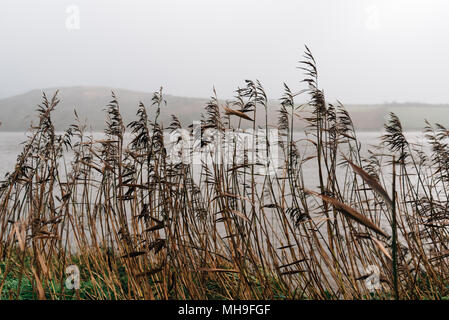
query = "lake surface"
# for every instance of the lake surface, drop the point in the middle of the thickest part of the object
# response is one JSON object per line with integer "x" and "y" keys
{"x": 11, "y": 146}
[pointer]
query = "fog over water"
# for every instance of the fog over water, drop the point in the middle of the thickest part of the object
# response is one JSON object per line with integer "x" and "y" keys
{"x": 367, "y": 51}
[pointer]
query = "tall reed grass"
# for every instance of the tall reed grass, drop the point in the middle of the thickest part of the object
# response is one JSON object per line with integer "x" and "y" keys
{"x": 141, "y": 227}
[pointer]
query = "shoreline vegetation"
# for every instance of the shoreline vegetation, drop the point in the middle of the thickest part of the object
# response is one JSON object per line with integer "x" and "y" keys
{"x": 138, "y": 226}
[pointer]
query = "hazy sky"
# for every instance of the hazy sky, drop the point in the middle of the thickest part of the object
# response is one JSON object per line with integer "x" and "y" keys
{"x": 367, "y": 51}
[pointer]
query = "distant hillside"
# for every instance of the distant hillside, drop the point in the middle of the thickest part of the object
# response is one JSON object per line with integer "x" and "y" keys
{"x": 412, "y": 115}
{"x": 17, "y": 112}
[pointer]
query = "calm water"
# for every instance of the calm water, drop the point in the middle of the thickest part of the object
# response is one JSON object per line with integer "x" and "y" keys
{"x": 11, "y": 145}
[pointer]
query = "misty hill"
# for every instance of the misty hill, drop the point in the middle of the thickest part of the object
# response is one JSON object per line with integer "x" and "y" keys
{"x": 19, "y": 111}
{"x": 90, "y": 103}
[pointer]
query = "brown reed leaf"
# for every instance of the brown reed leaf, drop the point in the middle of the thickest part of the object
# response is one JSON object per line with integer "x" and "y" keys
{"x": 20, "y": 234}
{"x": 350, "y": 212}
{"x": 40, "y": 288}
{"x": 133, "y": 254}
{"x": 157, "y": 245}
{"x": 237, "y": 113}
{"x": 42, "y": 234}
{"x": 439, "y": 255}
{"x": 286, "y": 247}
{"x": 292, "y": 272}
{"x": 272, "y": 205}
{"x": 149, "y": 273}
{"x": 218, "y": 270}
{"x": 371, "y": 181}
{"x": 292, "y": 263}
{"x": 240, "y": 214}
{"x": 42, "y": 262}
{"x": 156, "y": 227}
{"x": 381, "y": 248}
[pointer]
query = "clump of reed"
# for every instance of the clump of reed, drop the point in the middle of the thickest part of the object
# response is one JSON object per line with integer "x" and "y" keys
{"x": 142, "y": 227}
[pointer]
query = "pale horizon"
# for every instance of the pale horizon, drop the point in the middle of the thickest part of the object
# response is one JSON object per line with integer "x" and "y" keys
{"x": 368, "y": 52}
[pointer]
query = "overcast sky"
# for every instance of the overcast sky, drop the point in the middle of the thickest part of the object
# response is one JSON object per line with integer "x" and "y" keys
{"x": 367, "y": 51}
